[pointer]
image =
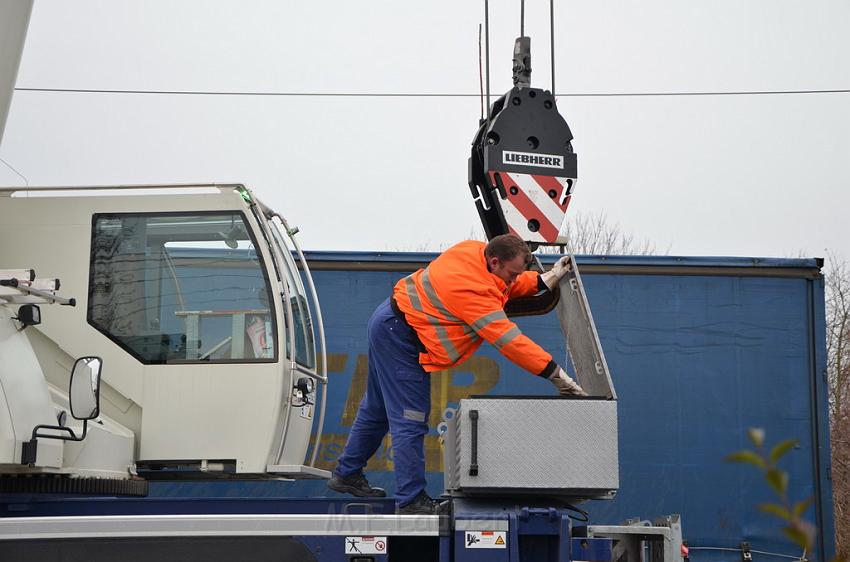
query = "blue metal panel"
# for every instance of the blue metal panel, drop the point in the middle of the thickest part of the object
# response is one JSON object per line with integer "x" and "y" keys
{"x": 590, "y": 549}
{"x": 194, "y": 498}
{"x": 539, "y": 534}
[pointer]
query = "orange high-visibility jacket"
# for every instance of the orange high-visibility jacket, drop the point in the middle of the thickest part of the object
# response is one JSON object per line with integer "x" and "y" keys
{"x": 455, "y": 303}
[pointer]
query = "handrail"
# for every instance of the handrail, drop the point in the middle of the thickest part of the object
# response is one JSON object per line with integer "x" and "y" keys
{"x": 291, "y": 232}
{"x": 122, "y": 186}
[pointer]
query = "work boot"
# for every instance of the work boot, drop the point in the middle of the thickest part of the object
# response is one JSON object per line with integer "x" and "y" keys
{"x": 424, "y": 505}
{"x": 356, "y": 485}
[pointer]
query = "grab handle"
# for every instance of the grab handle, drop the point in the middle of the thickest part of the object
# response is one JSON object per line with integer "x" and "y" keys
{"x": 473, "y": 465}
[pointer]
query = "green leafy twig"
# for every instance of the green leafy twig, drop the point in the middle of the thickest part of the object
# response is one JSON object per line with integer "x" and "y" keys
{"x": 796, "y": 529}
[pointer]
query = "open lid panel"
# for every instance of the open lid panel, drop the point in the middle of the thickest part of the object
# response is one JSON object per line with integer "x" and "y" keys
{"x": 583, "y": 345}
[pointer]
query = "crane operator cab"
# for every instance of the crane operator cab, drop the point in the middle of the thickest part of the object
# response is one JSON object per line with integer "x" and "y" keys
{"x": 192, "y": 297}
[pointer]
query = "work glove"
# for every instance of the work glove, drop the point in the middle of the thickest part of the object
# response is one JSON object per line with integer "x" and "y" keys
{"x": 552, "y": 277}
{"x": 565, "y": 385}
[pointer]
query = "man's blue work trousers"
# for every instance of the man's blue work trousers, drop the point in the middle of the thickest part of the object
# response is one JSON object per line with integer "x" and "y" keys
{"x": 398, "y": 398}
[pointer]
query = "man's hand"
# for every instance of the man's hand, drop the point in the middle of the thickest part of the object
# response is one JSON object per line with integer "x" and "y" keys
{"x": 552, "y": 277}
{"x": 565, "y": 385}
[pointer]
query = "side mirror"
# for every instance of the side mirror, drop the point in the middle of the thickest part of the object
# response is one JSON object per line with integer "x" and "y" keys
{"x": 85, "y": 388}
{"x": 29, "y": 315}
{"x": 84, "y": 396}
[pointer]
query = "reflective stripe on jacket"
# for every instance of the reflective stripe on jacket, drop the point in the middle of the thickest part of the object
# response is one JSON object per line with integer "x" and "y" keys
{"x": 455, "y": 303}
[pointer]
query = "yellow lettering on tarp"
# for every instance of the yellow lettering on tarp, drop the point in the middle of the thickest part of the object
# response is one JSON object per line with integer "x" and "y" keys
{"x": 484, "y": 370}
{"x": 355, "y": 391}
{"x": 485, "y": 376}
{"x": 485, "y": 373}
{"x": 336, "y": 362}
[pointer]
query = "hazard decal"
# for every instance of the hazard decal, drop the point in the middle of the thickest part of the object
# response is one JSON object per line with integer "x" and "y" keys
{"x": 485, "y": 539}
{"x": 534, "y": 205}
{"x": 366, "y": 545}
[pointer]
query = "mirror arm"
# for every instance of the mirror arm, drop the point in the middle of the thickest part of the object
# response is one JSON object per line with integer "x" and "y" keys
{"x": 73, "y": 436}
{"x": 30, "y": 448}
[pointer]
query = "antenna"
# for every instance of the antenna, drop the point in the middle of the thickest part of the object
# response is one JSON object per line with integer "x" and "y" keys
{"x": 480, "y": 74}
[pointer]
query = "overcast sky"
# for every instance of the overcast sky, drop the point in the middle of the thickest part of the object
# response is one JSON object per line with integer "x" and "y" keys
{"x": 759, "y": 175}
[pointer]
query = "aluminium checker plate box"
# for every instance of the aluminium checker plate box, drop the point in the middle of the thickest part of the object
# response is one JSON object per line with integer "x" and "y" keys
{"x": 543, "y": 445}
{"x": 550, "y": 446}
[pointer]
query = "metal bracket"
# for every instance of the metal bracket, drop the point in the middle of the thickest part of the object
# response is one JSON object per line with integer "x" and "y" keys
{"x": 663, "y": 536}
{"x": 29, "y": 452}
{"x": 522, "y": 62}
{"x": 746, "y": 554}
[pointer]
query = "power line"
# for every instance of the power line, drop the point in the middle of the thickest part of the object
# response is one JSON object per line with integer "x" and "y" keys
{"x": 424, "y": 94}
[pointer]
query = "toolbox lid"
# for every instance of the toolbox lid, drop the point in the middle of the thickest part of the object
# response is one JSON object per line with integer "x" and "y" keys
{"x": 582, "y": 340}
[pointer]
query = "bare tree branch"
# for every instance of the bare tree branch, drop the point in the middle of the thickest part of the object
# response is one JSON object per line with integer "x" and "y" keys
{"x": 594, "y": 234}
{"x": 838, "y": 371}
{"x": 838, "y": 334}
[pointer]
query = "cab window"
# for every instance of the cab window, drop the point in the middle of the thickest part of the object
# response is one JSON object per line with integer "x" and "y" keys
{"x": 179, "y": 287}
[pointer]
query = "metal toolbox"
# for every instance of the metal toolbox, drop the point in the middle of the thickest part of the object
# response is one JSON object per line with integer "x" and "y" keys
{"x": 542, "y": 445}
{"x": 533, "y": 445}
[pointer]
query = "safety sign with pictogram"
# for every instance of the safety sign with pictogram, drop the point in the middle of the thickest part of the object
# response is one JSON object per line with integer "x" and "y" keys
{"x": 366, "y": 545}
{"x": 486, "y": 539}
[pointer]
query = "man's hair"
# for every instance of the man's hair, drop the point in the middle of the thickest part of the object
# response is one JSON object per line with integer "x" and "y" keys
{"x": 506, "y": 247}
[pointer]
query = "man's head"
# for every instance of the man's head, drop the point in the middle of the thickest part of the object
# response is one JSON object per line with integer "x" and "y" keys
{"x": 507, "y": 256}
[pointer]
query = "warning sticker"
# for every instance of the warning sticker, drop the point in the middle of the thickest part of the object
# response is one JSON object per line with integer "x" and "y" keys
{"x": 486, "y": 539}
{"x": 366, "y": 545}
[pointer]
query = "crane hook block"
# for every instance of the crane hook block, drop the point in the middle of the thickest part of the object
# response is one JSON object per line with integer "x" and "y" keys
{"x": 522, "y": 170}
